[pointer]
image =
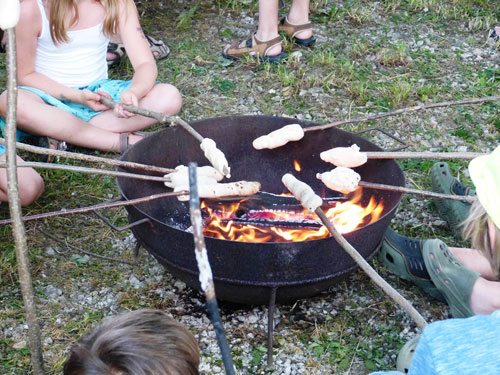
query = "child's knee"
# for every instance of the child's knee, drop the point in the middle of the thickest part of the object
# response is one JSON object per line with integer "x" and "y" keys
{"x": 31, "y": 187}
{"x": 171, "y": 99}
{"x": 3, "y": 104}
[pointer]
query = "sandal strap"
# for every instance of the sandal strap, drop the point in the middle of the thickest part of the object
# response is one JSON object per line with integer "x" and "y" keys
{"x": 292, "y": 29}
{"x": 124, "y": 145}
{"x": 252, "y": 46}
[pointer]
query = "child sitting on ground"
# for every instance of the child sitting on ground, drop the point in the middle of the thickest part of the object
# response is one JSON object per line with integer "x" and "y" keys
{"x": 142, "y": 342}
{"x": 62, "y": 73}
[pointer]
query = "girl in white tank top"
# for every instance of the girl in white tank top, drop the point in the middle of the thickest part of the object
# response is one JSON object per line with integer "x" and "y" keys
{"x": 62, "y": 71}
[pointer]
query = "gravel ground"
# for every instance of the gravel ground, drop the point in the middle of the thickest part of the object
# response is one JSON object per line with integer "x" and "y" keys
{"x": 352, "y": 328}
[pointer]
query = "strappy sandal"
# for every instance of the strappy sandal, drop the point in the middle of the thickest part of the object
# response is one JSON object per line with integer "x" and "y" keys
{"x": 452, "y": 278}
{"x": 403, "y": 256}
{"x": 50, "y": 143}
{"x": 406, "y": 354}
{"x": 124, "y": 144}
{"x": 454, "y": 212}
{"x": 291, "y": 30}
{"x": 2, "y": 43}
{"x": 256, "y": 48}
{"x": 118, "y": 50}
{"x": 158, "y": 48}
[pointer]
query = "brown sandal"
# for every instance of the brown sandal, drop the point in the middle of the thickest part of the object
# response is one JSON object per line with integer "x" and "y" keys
{"x": 291, "y": 30}
{"x": 256, "y": 48}
{"x": 124, "y": 145}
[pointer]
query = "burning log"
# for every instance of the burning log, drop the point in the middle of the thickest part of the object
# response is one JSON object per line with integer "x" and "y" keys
{"x": 313, "y": 203}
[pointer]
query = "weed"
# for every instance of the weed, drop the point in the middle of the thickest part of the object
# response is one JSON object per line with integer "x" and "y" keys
{"x": 395, "y": 55}
{"x": 396, "y": 92}
{"x": 184, "y": 19}
{"x": 360, "y": 14}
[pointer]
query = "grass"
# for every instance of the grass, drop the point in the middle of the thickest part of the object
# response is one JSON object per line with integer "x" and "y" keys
{"x": 371, "y": 56}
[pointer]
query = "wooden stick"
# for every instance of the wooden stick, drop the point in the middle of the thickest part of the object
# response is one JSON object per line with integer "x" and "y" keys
{"x": 160, "y": 117}
{"x": 312, "y": 202}
{"x": 73, "y": 168}
{"x": 423, "y": 155}
{"x": 89, "y": 158}
{"x": 206, "y": 278}
{"x": 23, "y": 262}
{"x": 401, "y": 189}
{"x": 97, "y": 207}
{"x": 403, "y": 110}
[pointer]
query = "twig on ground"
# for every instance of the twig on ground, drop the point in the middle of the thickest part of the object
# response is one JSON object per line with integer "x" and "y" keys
{"x": 403, "y": 110}
{"x": 80, "y": 250}
{"x": 89, "y": 158}
{"x": 23, "y": 263}
{"x": 312, "y": 202}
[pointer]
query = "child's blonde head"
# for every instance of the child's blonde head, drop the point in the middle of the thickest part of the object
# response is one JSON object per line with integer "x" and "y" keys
{"x": 64, "y": 13}
{"x": 476, "y": 228}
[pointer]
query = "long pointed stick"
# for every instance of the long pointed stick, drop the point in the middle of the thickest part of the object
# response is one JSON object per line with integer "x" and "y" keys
{"x": 206, "y": 278}
{"x": 312, "y": 202}
{"x": 23, "y": 262}
{"x": 422, "y": 155}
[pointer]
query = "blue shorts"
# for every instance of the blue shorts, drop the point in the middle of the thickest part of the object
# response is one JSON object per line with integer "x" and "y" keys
{"x": 2, "y": 149}
{"x": 113, "y": 87}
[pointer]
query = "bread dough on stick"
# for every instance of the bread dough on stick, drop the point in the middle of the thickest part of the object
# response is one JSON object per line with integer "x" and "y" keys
{"x": 348, "y": 157}
{"x": 10, "y": 10}
{"x": 215, "y": 156}
{"x": 180, "y": 176}
{"x": 230, "y": 189}
{"x": 340, "y": 179}
{"x": 280, "y": 137}
{"x": 302, "y": 192}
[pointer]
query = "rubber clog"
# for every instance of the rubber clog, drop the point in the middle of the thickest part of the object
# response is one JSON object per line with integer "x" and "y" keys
{"x": 454, "y": 212}
{"x": 403, "y": 256}
{"x": 452, "y": 278}
{"x": 406, "y": 354}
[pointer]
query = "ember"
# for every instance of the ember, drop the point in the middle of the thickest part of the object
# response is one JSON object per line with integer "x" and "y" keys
{"x": 238, "y": 222}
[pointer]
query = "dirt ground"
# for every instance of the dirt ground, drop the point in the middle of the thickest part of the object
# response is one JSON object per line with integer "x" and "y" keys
{"x": 370, "y": 57}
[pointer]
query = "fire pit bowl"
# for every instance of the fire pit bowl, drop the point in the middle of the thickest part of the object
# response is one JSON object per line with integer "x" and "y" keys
{"x": 250, "y": 272}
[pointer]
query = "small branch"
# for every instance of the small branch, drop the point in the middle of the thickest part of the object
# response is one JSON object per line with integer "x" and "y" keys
{"x": 89, "y": 158}
{"x": 72, "y": 168}
{"x": 403, "y": 110}
{"x": 23, "y": 262}
{"x": 423, "y": 155}
{"x": 160, "y": 117}
{"x": 206, "y": 278}
{"x": 72, "y": 247}
{"x": 372, "y": 185}
{"x": 372, "y": 274}
{"x": 101, "y": 206}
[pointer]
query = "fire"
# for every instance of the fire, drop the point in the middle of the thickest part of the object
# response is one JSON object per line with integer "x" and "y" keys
{"x": 297, "y": 166}
{"x": 237, "y": 222}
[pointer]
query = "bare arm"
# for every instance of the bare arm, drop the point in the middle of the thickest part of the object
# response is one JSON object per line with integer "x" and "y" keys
{"x": 145, "y": 71}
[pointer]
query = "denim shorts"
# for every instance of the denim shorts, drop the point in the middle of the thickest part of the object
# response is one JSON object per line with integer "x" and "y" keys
{"x": 113, "y": 87}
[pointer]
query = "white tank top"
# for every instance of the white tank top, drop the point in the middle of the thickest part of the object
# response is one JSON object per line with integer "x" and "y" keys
{"x": 76, "y": 63}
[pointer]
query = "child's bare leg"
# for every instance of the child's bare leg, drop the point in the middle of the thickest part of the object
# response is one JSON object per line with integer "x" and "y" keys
{"x": 36, "y": 117}
{"x": 474, "y": 260}
{"x": 268, "y": 23}
{"x": 485, "y": 297}
{"x": 299, "y": 14}
{"x": 162, "y": 98}
{"x": 29, "y": 182}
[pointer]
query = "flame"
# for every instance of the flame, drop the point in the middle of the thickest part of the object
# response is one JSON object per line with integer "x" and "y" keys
{"x": 347, "y": 216}
{"x": 297, "y": 166}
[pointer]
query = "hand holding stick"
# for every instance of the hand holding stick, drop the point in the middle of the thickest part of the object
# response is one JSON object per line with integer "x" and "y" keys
{"x": 212, "y": 153}
{"x": 313, "y": 202}
{"x": 206, "y": 278}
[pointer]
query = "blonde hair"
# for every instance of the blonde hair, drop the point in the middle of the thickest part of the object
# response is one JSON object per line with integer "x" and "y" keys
{"x": 475, "y": 228}
{"x": 61, "y": 9}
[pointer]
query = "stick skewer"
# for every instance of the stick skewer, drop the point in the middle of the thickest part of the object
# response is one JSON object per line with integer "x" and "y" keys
{"x": 214, "y": 155}
{"x": 89, "y": 158}
{"x": 206, "y": 278}
{"x": 401, "y": 189}
{"x": 423, "y": 155}
{"x": 312, "y": 202}
{"x": 10, "y": 13}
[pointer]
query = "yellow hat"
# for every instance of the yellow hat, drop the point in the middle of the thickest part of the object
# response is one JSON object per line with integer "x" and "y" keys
{"x": 485, "y": 174}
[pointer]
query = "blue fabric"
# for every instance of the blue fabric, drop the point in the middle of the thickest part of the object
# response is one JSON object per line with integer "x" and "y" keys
{"x": 458, "y": 346}
{"x": 113, "y": 87}
{"x": 2, "y": 149}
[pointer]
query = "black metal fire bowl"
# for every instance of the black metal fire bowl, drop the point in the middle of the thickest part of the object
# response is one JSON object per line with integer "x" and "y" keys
{"x": 250, "y": 272}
